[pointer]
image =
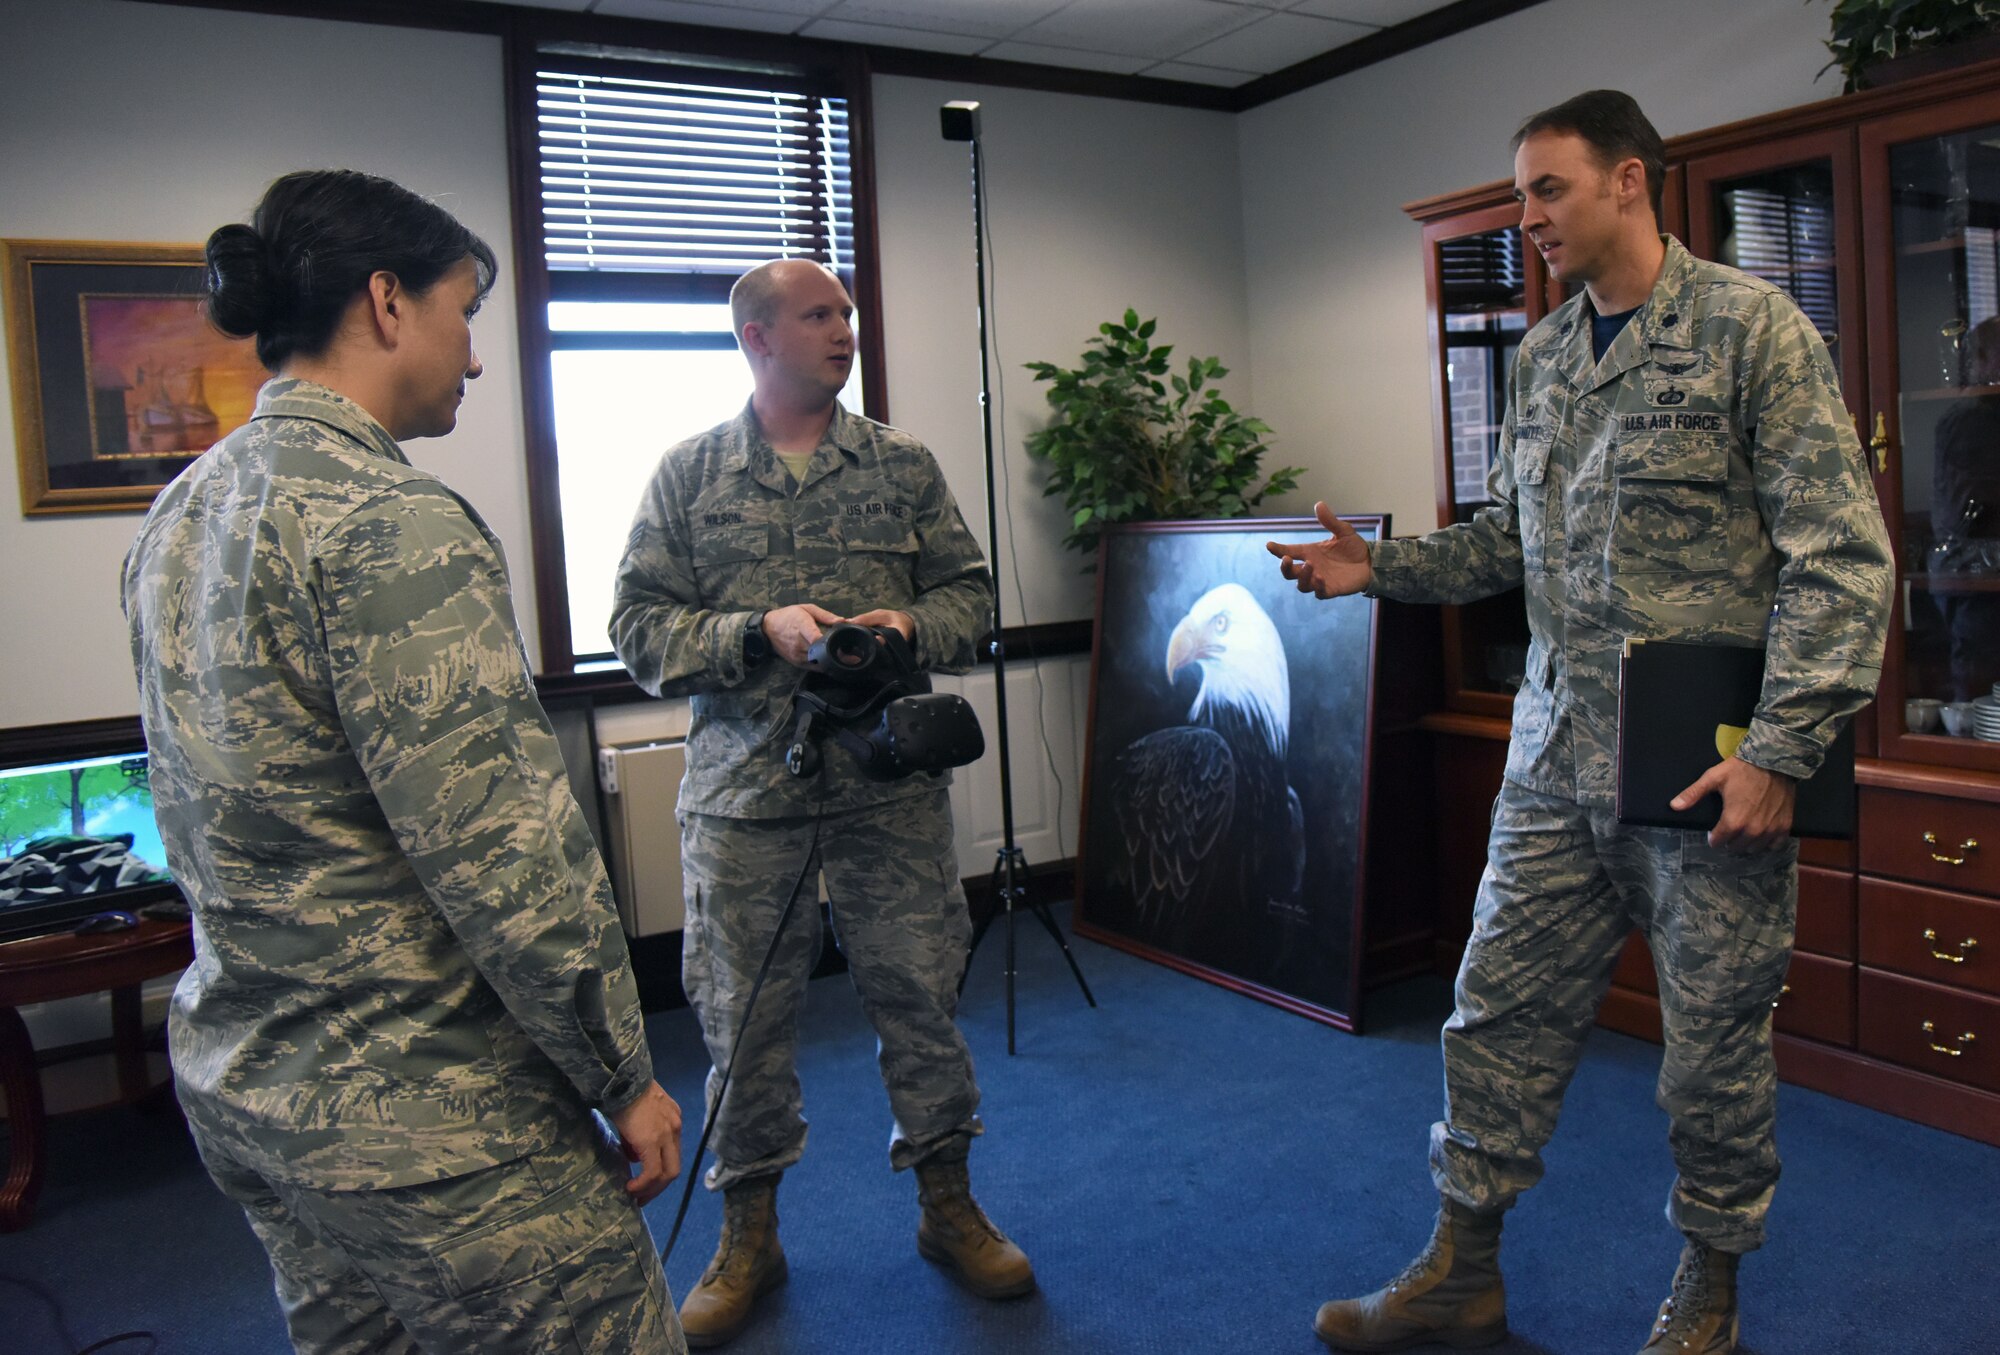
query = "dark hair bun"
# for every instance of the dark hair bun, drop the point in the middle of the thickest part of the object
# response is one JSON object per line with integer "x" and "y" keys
{"x": 239, "y": 281}
{"x": 316, "y": 238}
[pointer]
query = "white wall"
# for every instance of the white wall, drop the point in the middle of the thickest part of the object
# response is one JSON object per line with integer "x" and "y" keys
{"x": 1335, "y": 268}
{"x": 122, "y": 121}
{"x": 1094, "y": 205}
{"x": 132, "y": 121}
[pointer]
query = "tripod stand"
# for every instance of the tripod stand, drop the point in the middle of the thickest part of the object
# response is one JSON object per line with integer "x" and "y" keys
{"x": 960, "y": 122}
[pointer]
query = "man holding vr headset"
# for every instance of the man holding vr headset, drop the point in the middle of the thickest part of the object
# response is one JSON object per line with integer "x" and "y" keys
{"x": 754, "y": 541}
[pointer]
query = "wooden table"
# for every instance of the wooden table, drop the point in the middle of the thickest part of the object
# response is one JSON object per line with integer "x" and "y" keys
{"x": 47, "y": 968}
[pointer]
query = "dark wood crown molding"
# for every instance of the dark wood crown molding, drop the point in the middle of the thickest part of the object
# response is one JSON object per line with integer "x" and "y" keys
{"x": 1376, "y": 47}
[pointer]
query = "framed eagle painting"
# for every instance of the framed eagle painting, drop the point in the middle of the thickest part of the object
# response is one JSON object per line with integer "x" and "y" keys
{"x": 1225, "y": 781}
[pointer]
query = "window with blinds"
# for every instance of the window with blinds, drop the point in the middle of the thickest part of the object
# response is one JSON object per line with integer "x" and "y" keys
{"x": 663, "y": 176}
{"x": 1483, "y": 287}
{"x": 1482, "y": 272}
{"x": 655, "y": 186}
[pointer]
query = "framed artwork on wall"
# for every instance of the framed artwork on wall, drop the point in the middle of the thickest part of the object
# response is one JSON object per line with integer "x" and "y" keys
{"x": 1226, "y": 764}
{"x": 118, "y": 379}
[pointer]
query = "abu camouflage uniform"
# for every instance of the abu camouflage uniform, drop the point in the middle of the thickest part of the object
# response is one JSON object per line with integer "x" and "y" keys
{"x": 1701, "y": 482}
{"x": 409, "y": 981}
{"x": 722, "y": 533}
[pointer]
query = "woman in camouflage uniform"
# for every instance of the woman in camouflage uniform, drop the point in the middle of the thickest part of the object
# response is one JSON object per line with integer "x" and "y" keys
{"x": 409, "y": 990}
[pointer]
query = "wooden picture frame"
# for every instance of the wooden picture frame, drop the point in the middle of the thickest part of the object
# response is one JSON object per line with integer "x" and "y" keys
{"x": 1225, "y": 811}
{"x": 118, "y": 380}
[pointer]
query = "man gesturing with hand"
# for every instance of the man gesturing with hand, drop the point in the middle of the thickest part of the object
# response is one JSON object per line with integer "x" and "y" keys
{"x": 1674, "y": 463}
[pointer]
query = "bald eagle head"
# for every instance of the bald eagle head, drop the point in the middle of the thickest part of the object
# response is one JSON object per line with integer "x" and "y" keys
{"x": 1242, "y": 660}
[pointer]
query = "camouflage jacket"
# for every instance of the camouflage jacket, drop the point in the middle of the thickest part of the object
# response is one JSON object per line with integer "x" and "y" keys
{"x": 407, "y": 965}
{"x": 723, "y": 533}
{"x": 1702, "y": 482}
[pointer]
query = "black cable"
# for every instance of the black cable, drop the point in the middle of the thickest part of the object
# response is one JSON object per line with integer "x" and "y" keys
{"x": 749, "y": 1010}
{"x": 61, "y": 1323}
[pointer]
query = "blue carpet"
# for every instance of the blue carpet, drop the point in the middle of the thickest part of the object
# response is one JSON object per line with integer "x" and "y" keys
{"x": 1190, "y": 1170}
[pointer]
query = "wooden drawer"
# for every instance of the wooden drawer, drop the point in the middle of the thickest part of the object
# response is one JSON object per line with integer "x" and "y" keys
{"x": 1817, "y": 1003}
{"x": 1893, "y": 1012}
{"x": 1826, "y": 912}
{"x": 1818, "y": 1000}
{"x": 1832, "y": 853}
{"x": 1826, "y": 927}
{"x": 1931, "y": 934}
{"x": 1931, "y": 839}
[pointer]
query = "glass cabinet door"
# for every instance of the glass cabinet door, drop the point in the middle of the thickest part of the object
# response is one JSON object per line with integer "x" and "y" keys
{"x": 1485, "y": 293}
{"x": 1788, "y": 213}
{"x": 1932, "y": 185}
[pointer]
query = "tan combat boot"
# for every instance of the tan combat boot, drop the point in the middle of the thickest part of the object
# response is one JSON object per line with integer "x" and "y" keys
{"x": 1699, "y": 1317}
{"x": 748, "y": 1264}
{"x": 956, "y": 1233}
{"x": 1450, "y": 1295}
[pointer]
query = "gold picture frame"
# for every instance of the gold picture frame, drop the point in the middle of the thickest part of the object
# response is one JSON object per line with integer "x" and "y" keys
{"x": 118, "y": 380}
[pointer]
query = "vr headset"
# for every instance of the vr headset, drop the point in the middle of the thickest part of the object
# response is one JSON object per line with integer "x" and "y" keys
{"x": 863, "y": 687}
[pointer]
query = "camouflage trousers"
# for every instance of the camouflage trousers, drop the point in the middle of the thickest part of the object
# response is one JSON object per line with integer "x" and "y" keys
{"x": 900, "y": 918}
{"x": 1563, "y": 887}
{"x": 544, "y": 1254}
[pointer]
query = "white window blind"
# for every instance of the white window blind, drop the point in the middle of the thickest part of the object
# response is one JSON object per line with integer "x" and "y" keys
{"x": 665, "y": 177}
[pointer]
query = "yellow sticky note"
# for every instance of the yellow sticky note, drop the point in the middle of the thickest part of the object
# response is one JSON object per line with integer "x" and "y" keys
{"x": 1726, "y": 739}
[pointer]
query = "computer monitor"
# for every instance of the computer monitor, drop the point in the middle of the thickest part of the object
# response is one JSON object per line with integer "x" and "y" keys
{"x": 77, "y": 838}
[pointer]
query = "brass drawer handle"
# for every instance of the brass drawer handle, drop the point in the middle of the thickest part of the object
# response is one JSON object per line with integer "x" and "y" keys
{"x": 1783, "y": 993}
{"x": 1965, "y": 849}
{"x": 1879, "y": 444}
{"x": 1965, "y": 947}
{"x": 1962, "y": 1043}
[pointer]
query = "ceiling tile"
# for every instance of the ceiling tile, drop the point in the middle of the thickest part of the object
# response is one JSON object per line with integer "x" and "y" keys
{"x": 1154, "y": 28}
{"x": 882, "y": 35}
{"x": 1199, "y": 75}
{"x": 1381, "y": 12}
{"x": 1274, "y": 42}
{"x": 708, "y": 15}
{"x": 983, "y": 18}
{"x": 1037, "y": 54}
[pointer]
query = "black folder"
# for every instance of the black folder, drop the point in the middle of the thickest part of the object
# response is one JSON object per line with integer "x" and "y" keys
{"x": 1675, "y": 702}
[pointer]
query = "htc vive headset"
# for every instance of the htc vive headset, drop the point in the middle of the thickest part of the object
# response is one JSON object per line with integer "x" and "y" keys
{"x": 862, "y": 685}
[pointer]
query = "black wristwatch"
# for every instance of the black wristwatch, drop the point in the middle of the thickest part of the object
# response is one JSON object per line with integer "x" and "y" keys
{"x": 756, "y": 644}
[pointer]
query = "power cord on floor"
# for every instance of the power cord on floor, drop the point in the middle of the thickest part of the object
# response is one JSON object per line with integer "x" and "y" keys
{"x": 61, "y": 1324}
